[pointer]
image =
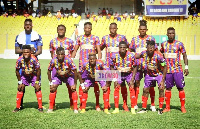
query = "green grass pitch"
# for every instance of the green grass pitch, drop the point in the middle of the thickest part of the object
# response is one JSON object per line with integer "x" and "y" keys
{"x": 63, "y": 117}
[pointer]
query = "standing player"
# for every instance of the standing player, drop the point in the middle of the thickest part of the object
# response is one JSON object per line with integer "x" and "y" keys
{"x": 65, "y": 72}
{"x": 172, "y": 50}
{"x": 88, "y": 75}
{"x": 68, "y": 45}
{"x": 111, "y": 43}
{"x": 30, "y": 74}
{"x": 156, "y": 71}
{"x": 125, "y": 62}
{"x": 88, "y": 44}
{"x": 28, "y": 37}
{"x": 138, "y": 44}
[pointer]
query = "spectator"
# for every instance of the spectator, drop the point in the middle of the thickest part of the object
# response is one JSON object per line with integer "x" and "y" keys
{"x": 75, "y": 15}
{"x": 87, "y": 13}
{"x": 104, "y": 12}
{"x": 132, "y": 15}
{"x": 140, "y": 17}
{"x": 26, "y": 14}
{"x": 72, "y": 11}
{"x": 99, "y": 11}
{"x": 111, "y": 11}
{"x": 125, "y": 15}
{"x": 14, "y": 15}
{"x": 44, "y": 12}
{"x": 67, "y": 11}
{"x": 116, "y": 15}
{"x": 58, "y": 14}
{"x": 107, "y": 11}
{"x": 62, "y": 10}
{"x": 79, "y": 12}
{"x": 37, "y": 11}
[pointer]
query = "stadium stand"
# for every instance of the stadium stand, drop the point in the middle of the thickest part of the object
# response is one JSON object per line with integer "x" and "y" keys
{"x": 187, "y": 30}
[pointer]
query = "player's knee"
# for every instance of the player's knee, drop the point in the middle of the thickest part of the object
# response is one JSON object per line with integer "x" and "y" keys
{"x": 180, "y": 89}
{"x": 73, "y": 88}
{"x": 38, "y": 88}
{"x": 146, "y": 90}
{"x": 52, "y": 89}
{"x": 21, "y": 88}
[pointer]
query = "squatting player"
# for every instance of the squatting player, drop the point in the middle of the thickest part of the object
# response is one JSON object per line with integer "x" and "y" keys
{"x": 137, "y": 45}
{"x": 88, "y": 79}
{"x": 172, "y": 50}
{"x": 156, "y": 71}
{"x": 30, "y": 74}
{"x": 65, "y": 72}
{"x": 111, "y": 43}
{"x": 88, "y": 43}
{"x": 68, "y": 45}
{"x": 125, "y": 62}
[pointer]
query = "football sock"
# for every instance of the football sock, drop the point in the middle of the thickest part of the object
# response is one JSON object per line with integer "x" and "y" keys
{"x": 105, "y": 99}
{"x": 74, "y": 99}
{"x": 161, "y": 100}
{"x": 182, "y": 98}
{"x": 70, "y": 95}
{"x": 96, "y": 91}
{"x": 152, "y": 95}
{"x": 116, "y": 96}
{"x": 132, "y": 97}
{"x": 80, "y": 94}
{"x": 84, "y": 100}
{"x": 124, "y": 94}
{"x": 54, "y": 102}
{"x": 144, "y": 102}
{"x": 18, "y": 99}
{"x": 168, "y": 94}
{"x": 137, "y": 89}
{"x": 39, "y": 98}
{"x": 52, "y": 97}
{"x": 108, "y": 89}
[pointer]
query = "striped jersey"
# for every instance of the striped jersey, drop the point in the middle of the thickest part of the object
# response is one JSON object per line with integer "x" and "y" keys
{"x": 87, "y": 45}
{"x": 112, "y": 45}
{"x": 30, "y": 66}
{"x": 154, "y": 63}
{"x": 67, "y": 65}
{"x": 89, "y": 71}
{"x": 67, "y": 44}
{"x": 172, "y": 52}
{"x": 138, "y": 45}
{"x": 123, "y": 64}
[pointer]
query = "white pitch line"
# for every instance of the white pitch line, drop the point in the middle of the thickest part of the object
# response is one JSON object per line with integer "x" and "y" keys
{"x": 193, "y": 77}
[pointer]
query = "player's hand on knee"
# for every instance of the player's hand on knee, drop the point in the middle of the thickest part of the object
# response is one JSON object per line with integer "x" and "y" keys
{"x": 162, "y": 85}
{"x": 86, "y": 89}
{"x": 73, "y": 88}
{"x": 53, "y": 88}
{"x": 116, "y": 84}
{"x": 37, "y": 87}
{"x": 21, "y": 87}
{"x": 104, "y": 88}
{"x": 186, "y": 72}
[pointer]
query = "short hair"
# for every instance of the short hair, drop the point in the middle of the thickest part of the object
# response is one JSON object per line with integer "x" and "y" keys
{"x": 61, "y": 25}
{"x": 113, "y": 23}
{"x": 150, "y": 42}
{"x": 87, "y": 23}
{"x": 143, "y": 23}
{"x": 92, "y": 54}
{"x": 26, "y": 47}
{"x": 28, "y": 20}
{"x": 170, "y": 28}
{"x": 59, "y": 49}
{"x": 122, "y": 42}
